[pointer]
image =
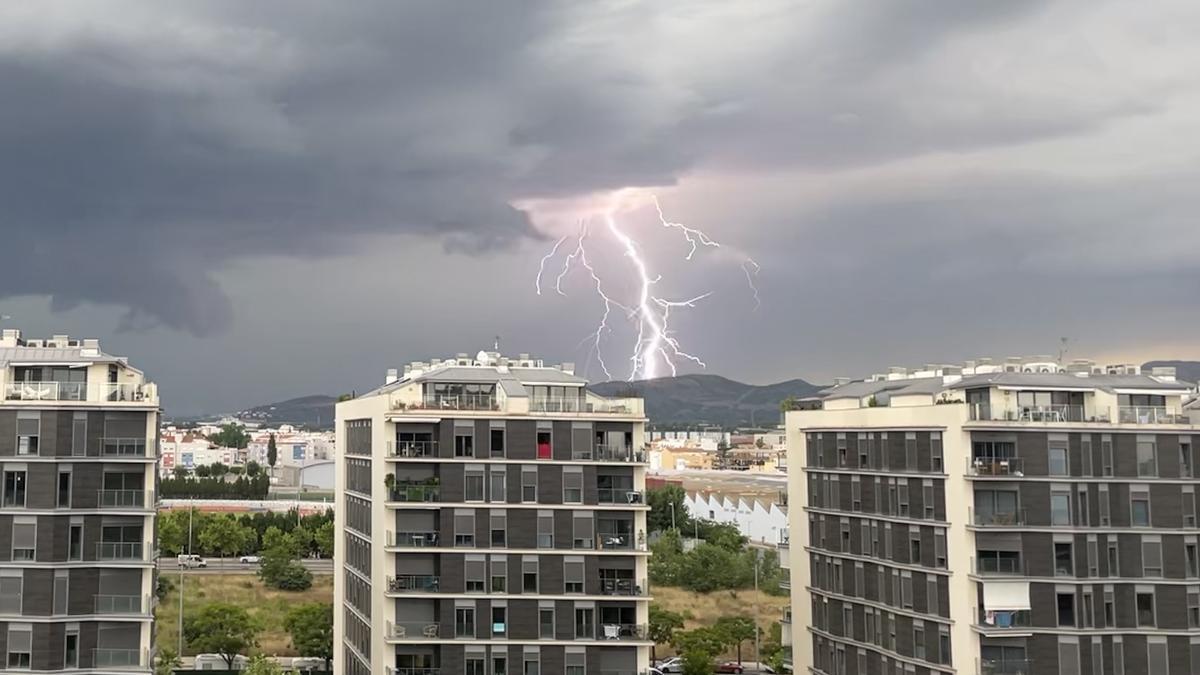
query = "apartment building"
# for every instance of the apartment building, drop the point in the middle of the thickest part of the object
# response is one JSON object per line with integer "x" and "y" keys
{"x": 1017, "y": 517}
{"x": 78, "y": 439}
{"x": 491, "y": 520}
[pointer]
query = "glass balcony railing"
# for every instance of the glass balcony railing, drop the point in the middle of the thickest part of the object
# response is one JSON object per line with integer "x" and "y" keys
{"x": 414, "y": 583}
{"x": 1004, "y": 618}
{"x": 121, "y": 604}
{"x": 1150, "y": 415}
{"x": 77, "y": 391}
{"x": 409, "y": 449}
{"x": 1005, "y": 667}
{"x": 414, "y": 539}
{"x": 415, "y": 492}
{"x": 123, "y": 447}
{"x": 995, "y": 466}
{"x": 997, "y": 518}
{"x": 609, "y": 453}
{"x": 620, "y": 496}
{"x": 103, "y": 657}
{"x": 623, "y": 631}
{"x": 115, "y": 550}
{"x": 620, "y": 542}
{"x": 122, "y": 499}
{"x": 998, "y": 566}
{"x": 414, "y": 630}
{"x": 624, "y": 587}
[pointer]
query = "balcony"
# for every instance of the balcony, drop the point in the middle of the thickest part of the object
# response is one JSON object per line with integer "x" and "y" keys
{"x": 608, "y": 453}
{"x": 413, "y": 671}
{"x": 786, "y": 618}
{"x": 997, "y": 519}
{"x": 415, "y": 492}
{"x": 417, "y": 539}
{"x": 785, "y": 539}
{"x": 106, "y": 392}
{"x": 414, "y": 583}
{"x": 120, "y": 658}
{"x": 1005, "y": 666}
{"x": 633, "y": 588}
{"x": 412, "y": 449}
{"x": 1004, "y": 619}
{"x": 620, "y": 542}
{"x": 616, "y": 406}
{"x": 122, "y": 604}
{"x": 122, "y": 499}
{"x": 1150, "y": 415}
{"x": 620, "y": 496}
{"x": 996, "y": 466}
{"x": 123, "y": 447}
{"x": 414, "y": 630}
{"x": 992, "y": 565}
{"x": 117, "y": 550}
{"x": 624, "y": 631}
{"x": 451, "y": 402}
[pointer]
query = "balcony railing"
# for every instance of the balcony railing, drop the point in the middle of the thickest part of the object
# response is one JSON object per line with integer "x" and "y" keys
{"x": 1004, "y": 618}
{"x": 406, "y": 449}
{"x": 414, "y": 630}
{"x": 994, "y": 565}
{"x": 997, "y": 518}
{"x": 115, "y": 550}
{"x": 103, "y": 657}
{"x": 582, "y": 405}
{"x": 415, "y": 492}
{"x": 609, "y": 453}
{"x": 787, "y": 617}
{"x": 413, "y": 671}
{"x": 121, "y": 499}
{"x": 456, "y": 402}
{"x": 620, "y": 542}
{"x": 995, "y": 466}
{"x": 623, "y": 631}
{"x": 620, "y": 496}
{"x": 414, "y": 583}
{"x": 624, "y": 587}
{"x": 123, "y": 447}
{"x": 75, "y": 391}
{"x": 416, "y": 539}
{"x": 1005, "y": 666}
{"x": 785, "y": 539}
{"x": 121, "y": 604}
{"x": 1150, "y": 415}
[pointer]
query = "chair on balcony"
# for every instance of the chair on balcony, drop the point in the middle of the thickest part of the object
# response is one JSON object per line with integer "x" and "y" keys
{"x": 612, "y": 631}
{"x": 400, "y": 632}
{"x": 430, "y": 631}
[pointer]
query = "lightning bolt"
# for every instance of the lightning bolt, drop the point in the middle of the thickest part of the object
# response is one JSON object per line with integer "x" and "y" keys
{"x": 656, "y": 349}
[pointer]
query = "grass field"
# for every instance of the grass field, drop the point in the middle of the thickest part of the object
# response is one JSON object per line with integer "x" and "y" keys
{"x": 703, "y": 609}
{"x": 267, "y": 605}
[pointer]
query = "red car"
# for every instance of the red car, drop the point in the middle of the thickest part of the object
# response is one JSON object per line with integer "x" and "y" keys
{"x": 729, "y": 667}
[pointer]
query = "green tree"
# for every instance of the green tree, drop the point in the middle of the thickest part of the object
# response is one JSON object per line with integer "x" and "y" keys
{"x": 725, "y": 535}
{"x": 172, "y": 532}
{"x": 697, "y": 663}
{"x": 221, "y": 628}
{"x": 324, "y": 539}
{"x": 788, "y": 404}
{"x": 225, "y": 536}
{"x": 311, "y": 628}
{"x": 737, "y": 629}
{"x": 662, "y": 502}
{"x": 262, "y": 665}
{"x": 203, "y": 471}
{"x": 167, "y": 661}
{"x": 279, "y": 568}
{"x": 272, "y": 453}
{"x": 253, "y": 468}
{"x": 663, "y": 625}
{"x": 699, "y": 647}
{"x": 217, "y": 470}
{"x": 303, "y": 541}
{"x": 231, "y": 436}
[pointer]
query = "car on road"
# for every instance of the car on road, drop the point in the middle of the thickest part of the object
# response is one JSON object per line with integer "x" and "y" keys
{"x": 191, "y": 561}
{"x": 728, "y": 667}
{"x": 250, "y": 560}
{"x": 671, "y": 665}
{"x": 654, "y": 671}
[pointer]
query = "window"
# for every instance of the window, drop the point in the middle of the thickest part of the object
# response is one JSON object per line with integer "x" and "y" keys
{"x": 585, "y": 622}
{"x": 1118, "y": 656}
{"x": 910, "y": 451}
{"x": 1083, "y": 506}
{"x": 532, "y": 665}
{"x": 499, "y": 621}
{"x": 75, "y": 543}
{"x": 20, "y": 646}
{"x": 1060, "y": 506}
{"x": 1106, "y": 455}
{"x": 499, "y": 665}
{"x": 932, "y": 606}
{"x": 62, "y": 590}
{"x": 575, "y": 662}
{"x": 464, "y": 442}
{"x": 499, "y": 574}
{"x": 496, "y": 444}
{"x": 919, "y": 640}
{"x": 529, "y": 480}
{"x": 1110, "y": 607}
{"x": 1188, "y": 499}
{"x": 935, "y": 452}
{"x": 545, "y": 529}
{"x": 71, "y": 649}
{"x": 464, "y": 527}
{"x": 473, "y": 484}
{"x": 843, "y": 458}
{"x": 529, "y": 575}
{"x": 473, "y": 573}
{"x": 1068, "y": 656}
{"x": 14, "y": 488}
{"x": 499, "y": 528}
{"x": 573, "y": 575}
{"x": 28, "y": 431}
{"x": 10, "y": 592}
{"x": 1139, "y": 506}
{"x": 864, "y": 457}
{"x": 64, "y": 489}
{"x": 1093, "y": 556}
{"x": 1193, "y": 606}
{"x": 902, "y": 498}
{"x": 1156, "y": 654}
{"x": 939, "y": 548}
{"x": 544, "y": 449}
{"x": 79, "y": 434}
{"x": 1065, "y": 601}
{"x": 1057, "y": 462}
{"x": 1085, "y": 454}
{"x": 1185, "y": 458}
{"x": 943, "y": 645}
{"x": 1114, "y": 557}
{"x": 1063, "y": 566}
{"x": 1191, "y": 561}
{"x": 546, "y": 622}
{"x": 464, "y": 622}
{"x": 1145, "y": 607}
{"x": 914, "y": 546}
{"x": 24, "y": 539}
{"x": 1105, "y": 516}
{"x": 497, "y": 479}
{"x": 927, "y": 499}
{"x": 583, "y": 527}
{"x": 906, "y": 590}
{"x": 1152, "y": 556}
{"x": 572, "y": 478}
{"x": 474, "y": 665}
{"x": 855, "y": 494}
{"x": 1147, "y": 463}
{"x": 1089, "y": 607}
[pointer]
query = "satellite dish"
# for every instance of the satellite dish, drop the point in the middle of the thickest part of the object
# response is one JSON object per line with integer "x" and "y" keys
{"x": 483, "y": 358}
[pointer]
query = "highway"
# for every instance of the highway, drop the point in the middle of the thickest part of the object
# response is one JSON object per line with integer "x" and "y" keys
{"x": 232, "y": 566}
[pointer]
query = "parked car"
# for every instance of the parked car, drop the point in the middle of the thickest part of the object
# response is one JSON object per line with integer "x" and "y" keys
{"x": 250, "y": 559}
{"x": 654, "y": 671}
{"x": 728, "y": 667}
{"x": 217, "y": 662}
{"x": 671, "y": 665}
{"x": 308, "y": 663}
{"x": 191, "y": 561}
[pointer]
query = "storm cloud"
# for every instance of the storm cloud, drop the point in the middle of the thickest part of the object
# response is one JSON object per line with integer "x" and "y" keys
{"x": 884, "y": 157}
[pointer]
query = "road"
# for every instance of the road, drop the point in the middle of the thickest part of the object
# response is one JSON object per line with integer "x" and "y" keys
{"x": 232, "y": 566}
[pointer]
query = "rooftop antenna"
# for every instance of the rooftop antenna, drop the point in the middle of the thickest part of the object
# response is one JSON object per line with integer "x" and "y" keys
{"x": 496, "y": 345}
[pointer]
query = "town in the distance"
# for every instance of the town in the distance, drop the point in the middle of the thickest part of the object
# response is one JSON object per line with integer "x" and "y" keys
{"x": 500, "y": 515}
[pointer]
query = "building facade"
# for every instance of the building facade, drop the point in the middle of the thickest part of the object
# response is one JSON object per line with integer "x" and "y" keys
{"x": 78, "y": 446}
{"x": 1016, "y": 517}
{"x": 491, "y": 520}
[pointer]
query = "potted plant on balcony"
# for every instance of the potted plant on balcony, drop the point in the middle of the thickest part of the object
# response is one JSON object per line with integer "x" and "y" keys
{"x": 389, "y": 481}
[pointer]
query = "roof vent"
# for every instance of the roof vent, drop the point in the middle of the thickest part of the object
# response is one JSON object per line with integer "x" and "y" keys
{"x": 90, "y": 347}
{"x": 392, "y": 376}
{"x": 840, "y": 381}
{"x": 1165, "y": 373}
{"x": 568, "y": 368}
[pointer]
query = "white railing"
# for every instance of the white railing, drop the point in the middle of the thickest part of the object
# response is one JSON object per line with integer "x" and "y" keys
{"x": 76, "y": 391}
{"x": 1152, "y": 414}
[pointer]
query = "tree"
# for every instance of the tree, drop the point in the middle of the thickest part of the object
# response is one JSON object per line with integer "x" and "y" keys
{"x": 324, "y": 540}
{"x": 663, "y": 501}
{"x": 303, "y": 541}
{"x": 262, "y": 665}
{"x": 272, "y": 453}
{"x": 697, "y": 663}
{"x": 311, "y": 628}
{"x": 788, "y": 404}
{"x": 225, "y": 536}
{"x": 172, "y": 532}
{"x": 737, "y": 629}
{"x": 663, "y": 625}
{"x": 253, "y": 468}
{"x": 167, "y": 661}
{"x": 203, "y": 471}
{"x": 221, "y": 628}
{"x": 217, "y": 470}
{"x": 231, "y": 436}
{"x": 279, "y": 569}
{"x": 698, "y": 648}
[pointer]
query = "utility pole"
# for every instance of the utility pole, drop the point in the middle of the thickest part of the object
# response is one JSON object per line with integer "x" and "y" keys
{"x": 757, "y": 648}
{"x": 673, "y": 516}
{"x": 191, "y": 511}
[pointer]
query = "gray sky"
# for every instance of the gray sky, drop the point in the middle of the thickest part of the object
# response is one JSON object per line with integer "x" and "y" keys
{"x": 263, "y": 200}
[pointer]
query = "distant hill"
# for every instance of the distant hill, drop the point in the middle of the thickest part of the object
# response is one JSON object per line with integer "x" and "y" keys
{"x": 1188, "y": 371}
{"x": 312, "y": 411}
{"x": 710, "y": 399}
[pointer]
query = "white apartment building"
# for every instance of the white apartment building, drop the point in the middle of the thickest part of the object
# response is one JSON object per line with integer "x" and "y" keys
{"x": 78, "y": 431}
{"x": 491, "y": 520}
{"x": 1012, "y": 517}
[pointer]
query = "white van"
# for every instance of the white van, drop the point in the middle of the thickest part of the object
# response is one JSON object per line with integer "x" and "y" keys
{"x": 191, "y": 561}
{"x": 217, "y": 662}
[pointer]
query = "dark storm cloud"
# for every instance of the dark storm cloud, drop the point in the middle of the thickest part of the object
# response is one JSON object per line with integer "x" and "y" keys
{"x": 142, "y": 146}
